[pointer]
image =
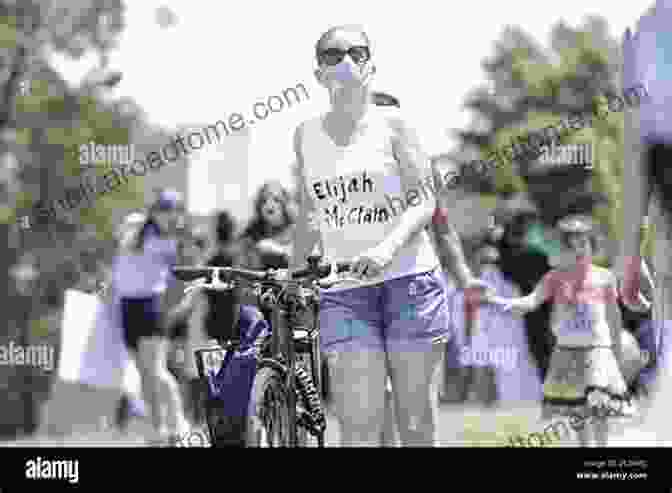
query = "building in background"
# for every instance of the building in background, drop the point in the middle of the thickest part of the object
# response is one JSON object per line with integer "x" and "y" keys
{"x": 218, "y": 178}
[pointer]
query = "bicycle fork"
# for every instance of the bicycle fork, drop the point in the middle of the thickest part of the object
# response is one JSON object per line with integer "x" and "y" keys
{"x": 283, "y": 350}
{"x": 302, "y": 384}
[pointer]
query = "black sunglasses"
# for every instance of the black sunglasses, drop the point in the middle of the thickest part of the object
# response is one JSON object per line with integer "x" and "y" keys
{"x": 334, "y": 56}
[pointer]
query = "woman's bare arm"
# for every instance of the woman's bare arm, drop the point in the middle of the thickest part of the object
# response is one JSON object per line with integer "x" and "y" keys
{"x": 446, "y": 238}
{"x": 614, "y": 317}
{"x": 414, "y": 169}
{"x": 306, "y": 234}
{"x": 635, "y": 201}
{"x": 450, "y": 250}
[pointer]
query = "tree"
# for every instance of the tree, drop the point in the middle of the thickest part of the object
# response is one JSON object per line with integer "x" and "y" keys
{"x": 36, "y": 107}
{"x": 535, "y": 88}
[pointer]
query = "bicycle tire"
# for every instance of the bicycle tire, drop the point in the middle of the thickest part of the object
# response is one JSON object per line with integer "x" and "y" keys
{"x": 268, "y": 420}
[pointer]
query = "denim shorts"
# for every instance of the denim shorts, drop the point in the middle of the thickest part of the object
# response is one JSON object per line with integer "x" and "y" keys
{"x": 409, "y": 313}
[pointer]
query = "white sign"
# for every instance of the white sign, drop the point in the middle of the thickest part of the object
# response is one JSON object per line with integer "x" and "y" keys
{"x": 92, "y": 347}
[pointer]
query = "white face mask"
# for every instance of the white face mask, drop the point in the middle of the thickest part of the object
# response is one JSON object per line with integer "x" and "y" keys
{"x": 345, "y": 74}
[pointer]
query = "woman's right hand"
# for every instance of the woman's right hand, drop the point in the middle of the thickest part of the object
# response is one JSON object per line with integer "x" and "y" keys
{"x": 505, "y": 304}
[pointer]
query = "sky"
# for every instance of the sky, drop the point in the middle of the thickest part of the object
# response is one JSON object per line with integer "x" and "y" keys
{"x": 220, "y": 59}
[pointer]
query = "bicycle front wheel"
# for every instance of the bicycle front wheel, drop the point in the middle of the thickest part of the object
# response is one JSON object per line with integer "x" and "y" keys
{"x": 268, "y": 424}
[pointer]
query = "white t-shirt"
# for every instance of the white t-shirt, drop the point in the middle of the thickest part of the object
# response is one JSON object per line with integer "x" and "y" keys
{"x": 359, "y": 197}
{"x": 147, "y": 273}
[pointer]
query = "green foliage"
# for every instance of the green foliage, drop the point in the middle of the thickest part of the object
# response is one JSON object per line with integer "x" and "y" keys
{"x": 536, "y": 90}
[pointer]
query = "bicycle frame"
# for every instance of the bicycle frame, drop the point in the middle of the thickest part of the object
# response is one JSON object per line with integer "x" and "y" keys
{"x": 282, "y": 345}
{"x": 284, "y": 350}
{"x": 284, "y": 311}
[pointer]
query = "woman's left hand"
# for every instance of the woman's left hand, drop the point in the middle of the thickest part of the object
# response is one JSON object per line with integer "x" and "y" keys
{"x": 372, "y": 262}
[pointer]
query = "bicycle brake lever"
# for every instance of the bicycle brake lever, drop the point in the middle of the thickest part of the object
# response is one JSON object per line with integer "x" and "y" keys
{"x": 202, "y": 283}
{"x": 195, "y": 284}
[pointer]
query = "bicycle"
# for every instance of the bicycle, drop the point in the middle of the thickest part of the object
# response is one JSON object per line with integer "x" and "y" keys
{"x": 285, "y": 405}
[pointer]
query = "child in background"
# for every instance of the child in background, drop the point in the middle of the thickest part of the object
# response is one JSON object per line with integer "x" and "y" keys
{"x": 584, "y": 377}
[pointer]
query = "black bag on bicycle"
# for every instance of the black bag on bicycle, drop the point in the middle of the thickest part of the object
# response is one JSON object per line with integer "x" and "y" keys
{"x": 229, "y": 376}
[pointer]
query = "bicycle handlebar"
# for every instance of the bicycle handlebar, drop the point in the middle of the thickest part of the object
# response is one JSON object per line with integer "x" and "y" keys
{"x": 321, "y": 271}
{"x": 226, "y": 274}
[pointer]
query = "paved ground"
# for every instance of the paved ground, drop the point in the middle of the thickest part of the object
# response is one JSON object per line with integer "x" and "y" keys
{"x": 459, "y": 426}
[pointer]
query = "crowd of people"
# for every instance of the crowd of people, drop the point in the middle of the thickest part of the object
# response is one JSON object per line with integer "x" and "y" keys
{"x": 461, "y": 304}
{"x": 152, "y": 311}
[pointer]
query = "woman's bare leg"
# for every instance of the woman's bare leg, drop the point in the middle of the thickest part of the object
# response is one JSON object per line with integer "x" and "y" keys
{"x": 601, "y": 430}
{"x": 357, "y": 394}
{"x": 389, "y": 435}
{"x": 145, "y": 358}
{"x": 585, "y": 435}
{"x": 161, "y": 384}
{"x": 414, "y": 377}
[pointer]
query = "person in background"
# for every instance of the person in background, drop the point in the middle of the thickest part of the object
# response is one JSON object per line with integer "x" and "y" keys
{"x": 525, "y": 267}
{"x": 226, "y": 317}
{"x": 479, "y": 372}
{"x": 140, "y": 275}
{"x": 647, "y": 150}
{"x": 128, "y": 407}
{"x": 223, "y": 308}
{"x": 638, "y": 321}
{"x": 266, "y": 241}
{"x": 193, "y": 248}
{"x": 585, "y": 376}
{"x": 511, "y": 372}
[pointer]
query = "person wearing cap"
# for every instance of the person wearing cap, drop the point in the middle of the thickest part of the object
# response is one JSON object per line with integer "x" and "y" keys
{"x": 140, "y": 276}
{"x": 584, "y": 376}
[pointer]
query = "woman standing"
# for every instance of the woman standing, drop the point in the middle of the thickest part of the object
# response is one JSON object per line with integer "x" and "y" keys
{"x": 360, "y": 176}
{"x": 140, "y": 274}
